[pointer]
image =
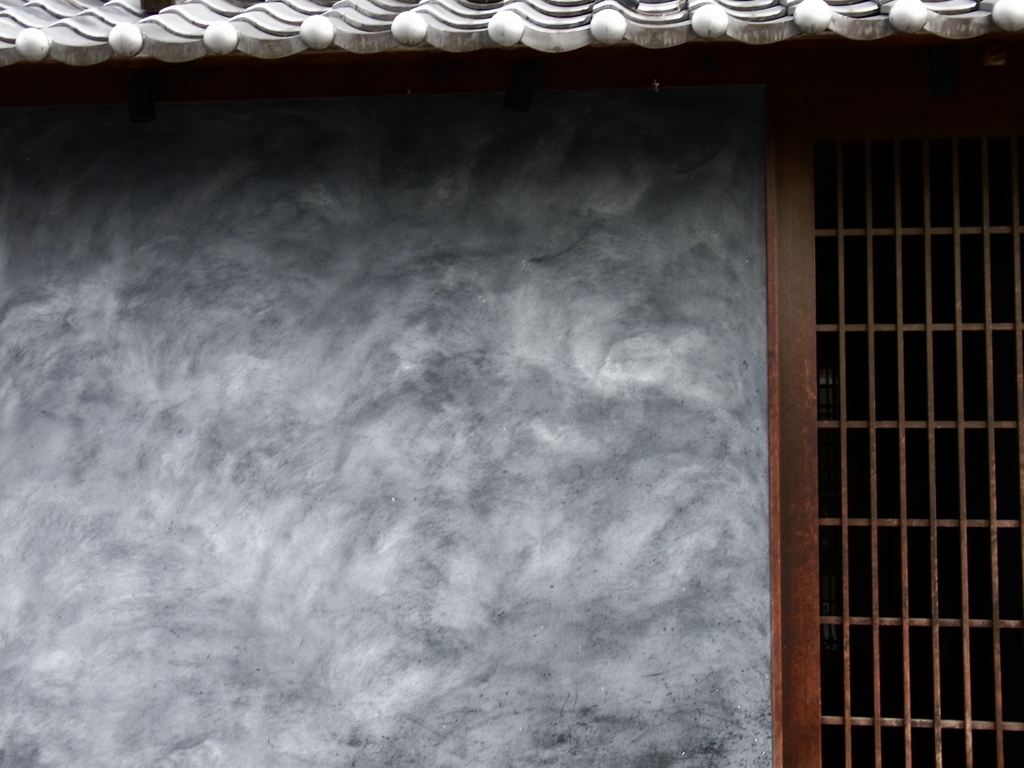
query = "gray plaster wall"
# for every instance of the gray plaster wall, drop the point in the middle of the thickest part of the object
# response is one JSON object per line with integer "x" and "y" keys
{"x": 390, "y": 432}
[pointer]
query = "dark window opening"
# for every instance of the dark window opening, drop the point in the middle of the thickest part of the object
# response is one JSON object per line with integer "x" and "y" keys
{"x": 920, "y": 390}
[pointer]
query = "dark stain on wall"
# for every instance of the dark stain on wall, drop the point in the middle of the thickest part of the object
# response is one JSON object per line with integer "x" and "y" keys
{"x": 388, "y": 432}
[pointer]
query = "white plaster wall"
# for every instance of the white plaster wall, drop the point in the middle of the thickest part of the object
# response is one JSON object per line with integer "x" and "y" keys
{"x": 382, "y": 433}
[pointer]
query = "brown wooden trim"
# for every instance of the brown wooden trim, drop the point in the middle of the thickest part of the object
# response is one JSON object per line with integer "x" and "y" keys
{"x": 800, "y": 114}
{"x": 824, "y": 66}
{"x": 794, "y": 442}
{"x": 771, "y": 274}
{"x": 867, "y": 112}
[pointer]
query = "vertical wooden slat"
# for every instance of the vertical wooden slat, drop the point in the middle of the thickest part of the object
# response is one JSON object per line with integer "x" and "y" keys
{"x": 792, "y": 292}
{"x": 771, "y": 201}
{"x": 965, "y": 627}
{"x": 991, "y": 434}
{"x": 843, "y": 452}
{"x": 1018, "y": 326}
{"x": 876, "y": 683}
{"x": 901, "y": 421}
{"x": 933, "y": 509}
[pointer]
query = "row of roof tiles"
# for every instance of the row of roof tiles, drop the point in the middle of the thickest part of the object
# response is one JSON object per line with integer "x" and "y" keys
{"x": 83, "y": 32}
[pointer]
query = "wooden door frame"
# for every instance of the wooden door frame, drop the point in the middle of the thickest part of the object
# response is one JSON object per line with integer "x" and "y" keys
{"x": 796, "y": 118}
{"x": 792, "y": 430}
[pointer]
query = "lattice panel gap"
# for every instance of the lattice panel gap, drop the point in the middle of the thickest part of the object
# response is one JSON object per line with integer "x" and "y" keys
{"x": 920, "y": 350}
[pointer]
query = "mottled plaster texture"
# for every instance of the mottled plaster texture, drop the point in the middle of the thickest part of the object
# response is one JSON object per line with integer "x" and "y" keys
{"x": 385, "y": 432}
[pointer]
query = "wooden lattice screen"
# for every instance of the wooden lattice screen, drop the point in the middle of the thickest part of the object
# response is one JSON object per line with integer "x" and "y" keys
{"x": 920, "y": 381}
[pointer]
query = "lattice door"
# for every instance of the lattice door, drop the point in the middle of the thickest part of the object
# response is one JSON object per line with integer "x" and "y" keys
{"x": 920, "y": 400}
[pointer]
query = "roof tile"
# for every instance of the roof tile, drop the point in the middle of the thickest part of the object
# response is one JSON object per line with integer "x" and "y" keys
{"x": 268, "y": 29}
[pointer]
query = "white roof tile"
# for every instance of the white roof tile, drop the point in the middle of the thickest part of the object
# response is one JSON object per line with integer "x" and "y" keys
{"x": 78, "y": 29}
